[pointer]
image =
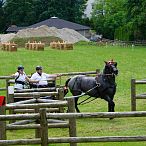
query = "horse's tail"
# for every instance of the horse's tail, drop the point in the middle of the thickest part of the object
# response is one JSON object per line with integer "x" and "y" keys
{"x": 66, "y": 87}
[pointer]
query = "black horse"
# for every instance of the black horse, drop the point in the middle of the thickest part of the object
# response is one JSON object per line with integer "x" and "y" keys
{"x": 103, "y": 85}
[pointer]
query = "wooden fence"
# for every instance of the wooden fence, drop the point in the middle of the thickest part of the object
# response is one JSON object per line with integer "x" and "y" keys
{"x": 10, "y": 79}
{"x": 135, "y": 96}
{"x": 41, "y": 133}
{"x": 35, "y": 96}
{"x": 44, "y": 140}
{"x": 130, "y": 43}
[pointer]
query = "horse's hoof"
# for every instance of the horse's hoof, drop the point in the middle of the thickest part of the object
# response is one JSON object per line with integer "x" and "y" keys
{"x": 111, "y": 118}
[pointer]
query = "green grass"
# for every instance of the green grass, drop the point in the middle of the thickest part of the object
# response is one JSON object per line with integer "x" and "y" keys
{"x": 84, "y": 57}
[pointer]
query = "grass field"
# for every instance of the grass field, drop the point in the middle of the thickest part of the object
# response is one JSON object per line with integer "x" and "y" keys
{"x": 84, "y": 57}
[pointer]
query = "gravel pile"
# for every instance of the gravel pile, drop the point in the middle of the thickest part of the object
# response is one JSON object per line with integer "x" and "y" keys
{"x": 68, "y": 35}
{"x": 65, "y": 34}
{"x": 6, "y": 37}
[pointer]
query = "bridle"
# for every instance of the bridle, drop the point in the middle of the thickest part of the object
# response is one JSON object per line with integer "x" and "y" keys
{"x": 111, "y": 69}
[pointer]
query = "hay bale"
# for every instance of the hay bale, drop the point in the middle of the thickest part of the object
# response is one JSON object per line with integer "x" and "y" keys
{"x": 61, "y": 46}
{"x": 30, "y": 46}
{"x": 3, "y": 46}
{"x": 68, "y": 46}
{"x": 27, "y": 46}
{"x": 13, "y": 47}
{"x": 40, "y": 47}
{"x": 9, "y": 47}
{"x": 53, "y": 44}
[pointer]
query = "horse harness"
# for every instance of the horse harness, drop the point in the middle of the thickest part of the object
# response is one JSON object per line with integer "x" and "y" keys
{"x": 98, "y": 84}
{"x": 82, "y": 102}
{"x": 103, "y": 81}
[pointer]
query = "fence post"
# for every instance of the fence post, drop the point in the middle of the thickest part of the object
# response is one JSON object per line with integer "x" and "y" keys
{"x": 10, "y": 99}
{"x": 133, "y": 95}
{"x": 7, "y": 85}
{"x": 61, "y": 97}
{"x": 2, "y": 124}
{"x": 44, "y": 127}
{"x": 37, "y": 131}
{"x": 72, "y": 121}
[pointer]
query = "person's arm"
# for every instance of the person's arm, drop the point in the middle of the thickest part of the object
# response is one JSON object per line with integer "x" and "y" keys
{"x": 30, "y": 80}
{"x": 53, "y": 75}
{"x": 14, "y": 75}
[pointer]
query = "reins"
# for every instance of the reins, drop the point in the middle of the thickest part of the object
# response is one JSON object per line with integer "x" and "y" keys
{"x": 98, "y": 85}
{"x": 83, "y": 94}
{"x": 83, "y": 102}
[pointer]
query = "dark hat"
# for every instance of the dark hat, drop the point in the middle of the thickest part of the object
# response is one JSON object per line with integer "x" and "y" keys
{"x": 20, "y": 67}
{"x": 39, "y": 68}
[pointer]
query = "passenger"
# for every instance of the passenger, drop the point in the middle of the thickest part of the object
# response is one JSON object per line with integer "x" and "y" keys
{"x": 42, "y": 77}
{"x": 21, "y": 78}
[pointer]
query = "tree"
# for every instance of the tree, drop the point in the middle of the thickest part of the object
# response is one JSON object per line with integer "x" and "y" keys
{"x": 136, "y": 14}
{"x": 107, "y": 16}
{"x": 26, "y": 12}
{"x": 71, "y": 10}
{"x": 120, "y": 19}
{"x": 2, "y": 17}
{"x": 20, "y": 12}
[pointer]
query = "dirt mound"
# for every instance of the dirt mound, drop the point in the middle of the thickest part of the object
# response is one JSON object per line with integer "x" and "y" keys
{"x": 6, "y": 37}
{"x": 65, "y": 34}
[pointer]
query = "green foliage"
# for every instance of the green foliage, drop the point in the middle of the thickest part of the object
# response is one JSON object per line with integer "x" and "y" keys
{"x": 107, "y": 16}
{"x": 27, "y": 12}
{"x": 124, "y": 19}
{"x": 136, "y": 14}
{"x": 124, "y": 33}
{"x": 20, "y": 12}
{"x": 2, "y": 17}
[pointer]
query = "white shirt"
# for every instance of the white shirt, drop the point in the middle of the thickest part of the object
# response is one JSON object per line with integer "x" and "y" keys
{"x": 21, "y": 77}
{"x": 42, "y": 79}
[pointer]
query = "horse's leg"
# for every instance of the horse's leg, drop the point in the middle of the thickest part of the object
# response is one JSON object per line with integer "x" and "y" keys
{"x": 76, "y": 93}
{"x": 111, "y": 104}
{"x": 76, "y": 104}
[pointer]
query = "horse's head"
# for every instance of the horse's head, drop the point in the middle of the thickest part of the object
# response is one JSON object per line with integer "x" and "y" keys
{"x": 110, "y": 68}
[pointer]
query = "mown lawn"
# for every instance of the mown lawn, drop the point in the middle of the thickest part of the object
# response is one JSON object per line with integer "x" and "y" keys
{"x": 85, "y": 57}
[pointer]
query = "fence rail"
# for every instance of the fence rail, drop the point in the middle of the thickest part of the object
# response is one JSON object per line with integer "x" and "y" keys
{"x": 73, "y": 140}
{"x": 41, "y": 122}
{"x": 10, "y": 80}
{"x": 135, "y": 96}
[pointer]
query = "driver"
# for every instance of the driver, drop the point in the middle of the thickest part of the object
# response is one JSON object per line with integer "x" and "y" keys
{"x": 42, "y": 78}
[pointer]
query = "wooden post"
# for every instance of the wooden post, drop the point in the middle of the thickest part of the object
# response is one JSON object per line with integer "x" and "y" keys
{"x": 72, "y": 121}
{"x": 10, "y": 99}
{"x": 7, "y": 85}
{"x": 37, "y": 131}
{"x": 61, "y": 97}
{"x": 44, "y": 127}
{"x": 133, "y": 95}
{"x": 2, "y": 124}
